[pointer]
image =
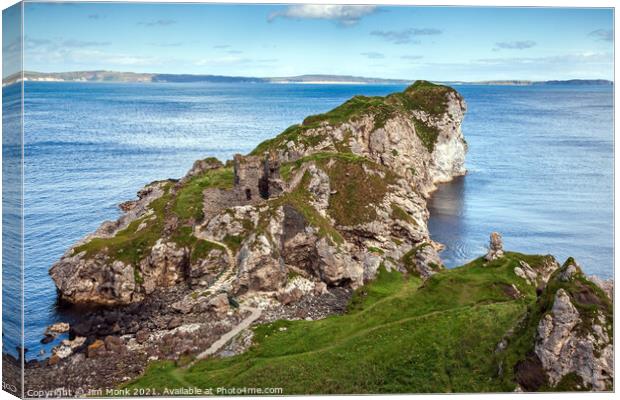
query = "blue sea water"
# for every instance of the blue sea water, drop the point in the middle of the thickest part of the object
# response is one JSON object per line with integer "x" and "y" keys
{"x": 540, "y": 164}
{"x": 12, "y": 202}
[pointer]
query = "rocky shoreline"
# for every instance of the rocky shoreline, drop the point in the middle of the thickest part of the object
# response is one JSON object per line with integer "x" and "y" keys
{"x": 290, "y": 231}
{"x": 110, "y": 346}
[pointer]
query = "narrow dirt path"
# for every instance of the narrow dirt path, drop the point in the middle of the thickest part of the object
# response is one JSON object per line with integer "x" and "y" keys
{"x": 215, "y": 347}
{"x": 225, "y": 280}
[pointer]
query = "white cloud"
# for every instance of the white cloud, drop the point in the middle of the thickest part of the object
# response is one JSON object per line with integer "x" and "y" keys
{"x": 373, "y": 55}
{"x": 346, "y": 15}
{"x": 606, "y": 35}
{"x": 516, "y": 45}
{"x": 406, "y": 35}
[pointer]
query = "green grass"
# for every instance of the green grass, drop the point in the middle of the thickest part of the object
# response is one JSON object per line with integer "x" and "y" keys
{"x": 188, "y": 202}
{"x": 399, "y": 213}
{"x": 425, "y": 96}
{"x": 233, "y": 242}
{"x": 375, "y": 250}
{"x": 427, "y": 134}
{"x": 357, "y": 191}
{"x": 198, "y": 248}
{"x": 398, "y": 336}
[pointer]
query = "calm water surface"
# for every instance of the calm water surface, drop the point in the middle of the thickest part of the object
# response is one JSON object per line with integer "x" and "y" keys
{"x": 540, "y": 171}
{"x": 540, "y": 164}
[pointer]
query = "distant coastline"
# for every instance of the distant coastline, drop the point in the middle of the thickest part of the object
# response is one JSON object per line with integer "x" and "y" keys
{"x": 133, "y": 77}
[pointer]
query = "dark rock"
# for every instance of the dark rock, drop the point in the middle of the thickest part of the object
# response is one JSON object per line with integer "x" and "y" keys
{"x": 96, "y": 349}
{"x": 47, "y": 339}
{"x": 175, "y": 322}
{"x": 142, "y": 336}
{"x": 53, "y": 360}
{"x": 114, "y": 344}
{"x": 530, "y": 374}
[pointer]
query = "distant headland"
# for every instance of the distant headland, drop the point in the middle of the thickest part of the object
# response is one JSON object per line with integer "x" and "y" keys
{"x": 132, "y": 77}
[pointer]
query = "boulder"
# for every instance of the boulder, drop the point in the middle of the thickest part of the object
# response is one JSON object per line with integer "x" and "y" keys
{"x": 114, "y": 344}
{"x": 290, "y": 297}
{"x": 175, "y": 322}
{"x": 525, "y": 271}
{"x": 203, "y": 272}
{"x": 320, "y": 288}
{"x": 59, "y": 327}
{"x": 53, "y": 360}
{"x": 96, "y": 349}
{"x": 219, "y": 304}
{"x": 337, "y": 267}
{"x": 142, "y": 336}
{"x": 48, "y": 339}
{"x": 95, "y": 279}
{"x": 75, "y": 343}
{"x": 164, "y": 266}
{"x": 427, "y": 260}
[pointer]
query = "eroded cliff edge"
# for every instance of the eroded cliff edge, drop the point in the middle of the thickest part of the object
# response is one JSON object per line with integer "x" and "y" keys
{"x": 328, "y": 201}
{"x": 328, "y": 204}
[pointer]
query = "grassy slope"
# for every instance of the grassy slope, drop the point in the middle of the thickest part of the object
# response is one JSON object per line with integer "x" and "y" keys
{"x": 399, "y": 336}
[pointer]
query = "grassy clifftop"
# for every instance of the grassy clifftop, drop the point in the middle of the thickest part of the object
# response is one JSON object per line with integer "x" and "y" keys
{"x": 400, "y": 335}
{"x": 422, "y": 96}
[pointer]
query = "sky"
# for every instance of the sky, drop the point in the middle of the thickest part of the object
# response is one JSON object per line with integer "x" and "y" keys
{"x": 435, "y": 43}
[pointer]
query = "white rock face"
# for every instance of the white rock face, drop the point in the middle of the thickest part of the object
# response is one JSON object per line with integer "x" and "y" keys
{"x": 164, "y": 266}
{"x": 563, "y": 348}
{"x": 338, "y": 267}
{"x": 448, "y": 158}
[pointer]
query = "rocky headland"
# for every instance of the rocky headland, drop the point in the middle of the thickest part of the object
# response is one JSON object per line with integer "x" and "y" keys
{"x": 311, "y": 224}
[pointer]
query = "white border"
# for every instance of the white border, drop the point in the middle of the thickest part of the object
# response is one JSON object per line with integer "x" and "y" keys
{"x": 486, "y": 3}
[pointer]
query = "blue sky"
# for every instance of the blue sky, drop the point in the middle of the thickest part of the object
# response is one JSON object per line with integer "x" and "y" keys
{"x": 437, "y": 43}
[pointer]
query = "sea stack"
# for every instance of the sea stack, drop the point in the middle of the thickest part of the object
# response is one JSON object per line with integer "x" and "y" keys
{"x": 496, "y": 247}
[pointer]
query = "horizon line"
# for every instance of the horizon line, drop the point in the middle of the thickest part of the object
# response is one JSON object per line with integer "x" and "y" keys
{"x": 524, "y": 80}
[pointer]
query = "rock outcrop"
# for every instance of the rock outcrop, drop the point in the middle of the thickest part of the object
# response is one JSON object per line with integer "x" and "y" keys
{"x": 572, "y": 329}
{"x": 496, "y": 247}
{"x": 333, "y": 198}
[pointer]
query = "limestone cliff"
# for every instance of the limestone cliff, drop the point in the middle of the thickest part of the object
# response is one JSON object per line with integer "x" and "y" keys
{"x": 329, "y": 200}
{"x": 568, "y": 332}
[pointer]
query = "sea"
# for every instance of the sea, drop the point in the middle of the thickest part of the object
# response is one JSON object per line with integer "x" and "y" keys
{"x": 540, "y": 166}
